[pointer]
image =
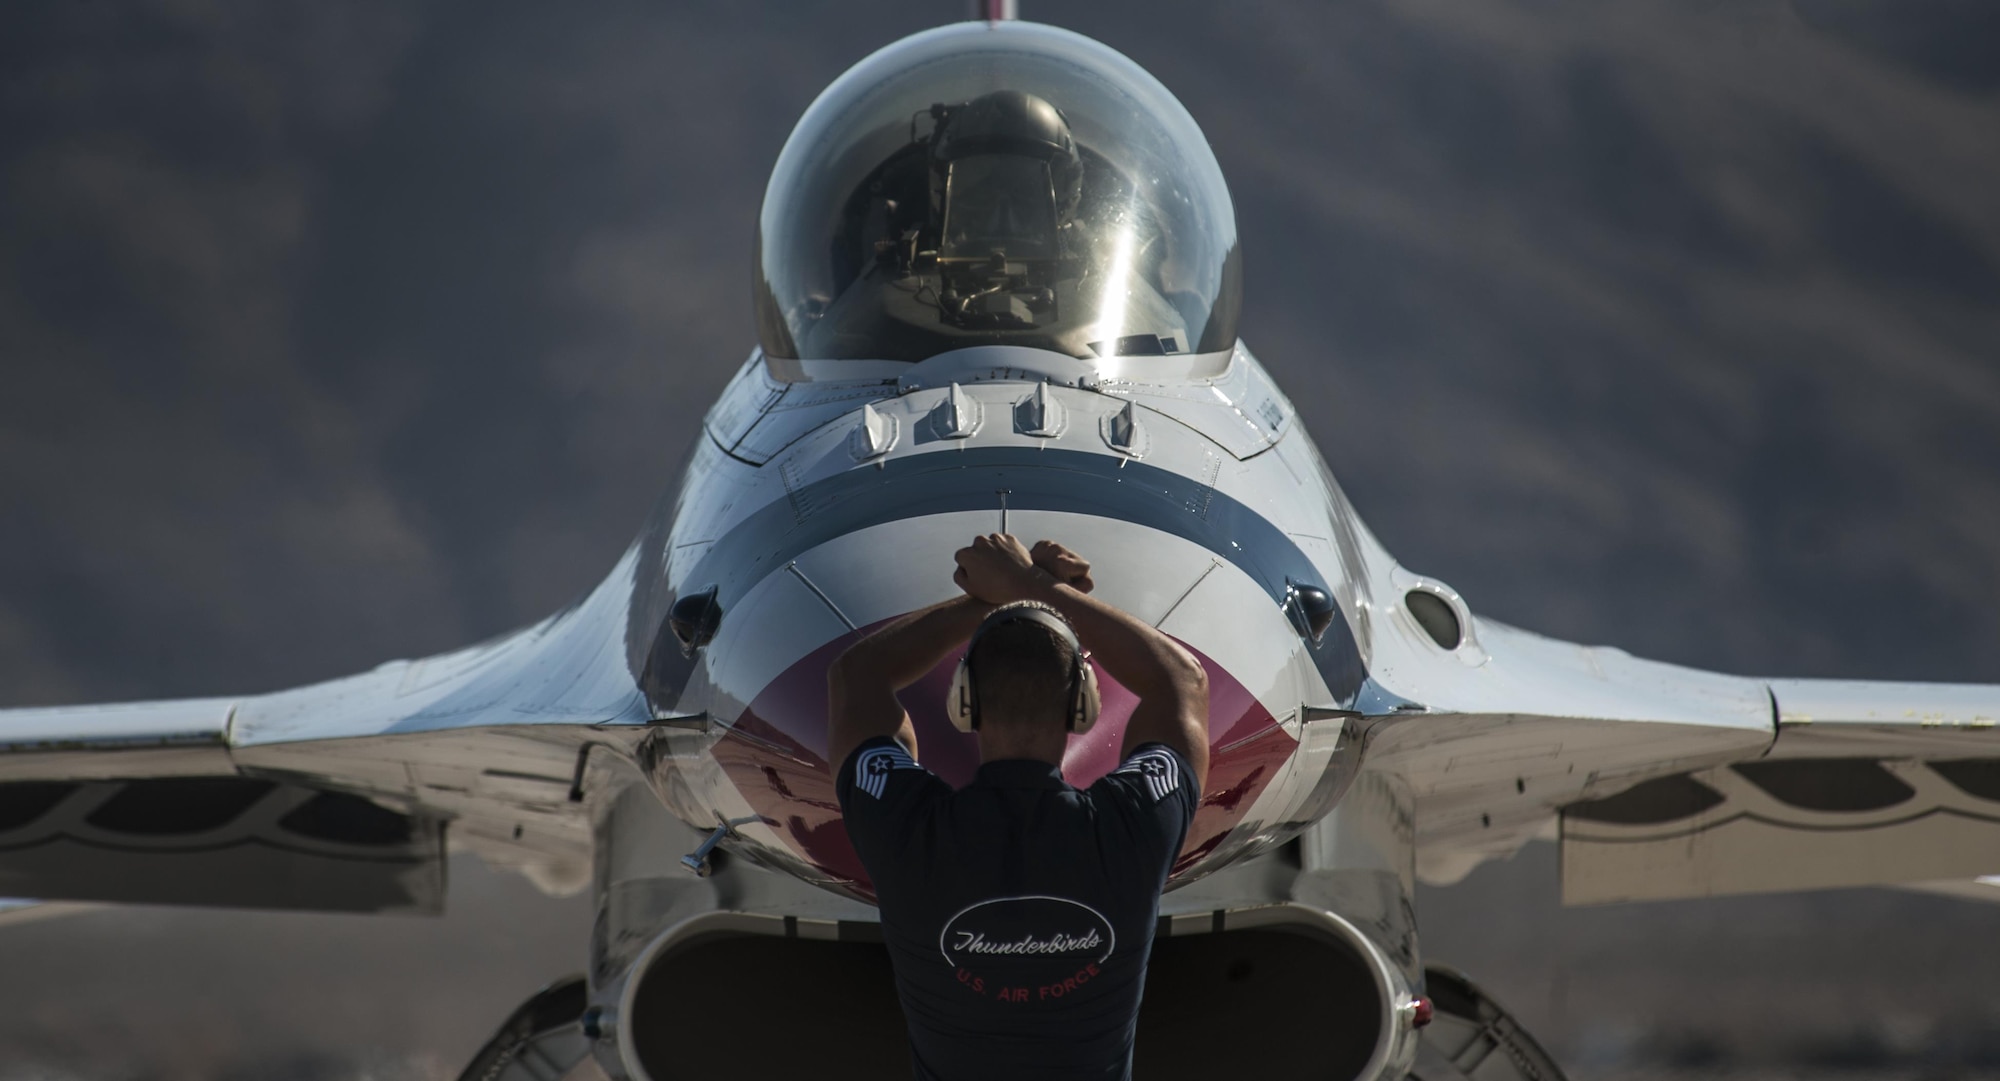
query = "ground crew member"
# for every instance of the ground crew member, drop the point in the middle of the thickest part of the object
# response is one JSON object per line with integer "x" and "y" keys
{"x": 1018, "y": 911}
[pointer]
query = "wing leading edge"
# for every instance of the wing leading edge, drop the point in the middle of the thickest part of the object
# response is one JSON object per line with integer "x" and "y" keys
{"x": 334, "y": 796}
{"x": 1664, "y": 782}
{"x": 1658, "y": 780}
{"x": 1866, "y": 784}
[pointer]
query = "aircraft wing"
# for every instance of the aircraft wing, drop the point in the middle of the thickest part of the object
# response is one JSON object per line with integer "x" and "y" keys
{"x": 1664, "y": 782}
{"x": 1865, "y": 784}
{"x": 336, "y": 796}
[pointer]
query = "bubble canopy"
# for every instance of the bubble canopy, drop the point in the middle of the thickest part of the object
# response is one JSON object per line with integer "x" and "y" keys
{"x": 996, "y": 184}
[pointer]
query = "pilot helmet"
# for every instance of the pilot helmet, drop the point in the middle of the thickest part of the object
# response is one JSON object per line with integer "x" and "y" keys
{"x": 1005, "y": 179}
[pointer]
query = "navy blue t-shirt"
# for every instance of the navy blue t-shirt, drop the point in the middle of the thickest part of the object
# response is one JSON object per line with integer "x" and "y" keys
{"x": 1018, "y": 911}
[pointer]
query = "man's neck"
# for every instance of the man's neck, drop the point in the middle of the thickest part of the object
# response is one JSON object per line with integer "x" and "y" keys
{"x": 1035, "y": 746}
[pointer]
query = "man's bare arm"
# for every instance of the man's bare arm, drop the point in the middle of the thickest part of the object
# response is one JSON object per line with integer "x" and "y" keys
{"x": 1171, "y": 684}
{"x": 862, "y": 683}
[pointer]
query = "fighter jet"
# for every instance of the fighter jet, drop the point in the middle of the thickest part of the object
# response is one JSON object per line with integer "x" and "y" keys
{"x": 997, "y": 289}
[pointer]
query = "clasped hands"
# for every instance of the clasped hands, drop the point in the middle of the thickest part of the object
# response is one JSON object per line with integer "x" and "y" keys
{"x": 996, "y": 569}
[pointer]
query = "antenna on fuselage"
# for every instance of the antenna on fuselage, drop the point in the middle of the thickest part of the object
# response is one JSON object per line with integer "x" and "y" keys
{"x": 996, "y": 11}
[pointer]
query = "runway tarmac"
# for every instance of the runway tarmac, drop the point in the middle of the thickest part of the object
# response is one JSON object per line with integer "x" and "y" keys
{"x": 1863, "y": 985}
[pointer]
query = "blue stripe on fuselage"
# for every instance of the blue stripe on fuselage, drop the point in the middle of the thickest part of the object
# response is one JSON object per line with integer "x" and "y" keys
{"x": 1071, "y": 482}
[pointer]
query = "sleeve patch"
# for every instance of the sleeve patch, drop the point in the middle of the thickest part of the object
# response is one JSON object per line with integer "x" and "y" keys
{"x": 871, "y": 770}
{"x": 1161, "y": 772}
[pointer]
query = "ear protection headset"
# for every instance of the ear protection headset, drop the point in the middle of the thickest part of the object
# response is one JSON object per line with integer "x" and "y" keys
{"x": 962, "y": 702}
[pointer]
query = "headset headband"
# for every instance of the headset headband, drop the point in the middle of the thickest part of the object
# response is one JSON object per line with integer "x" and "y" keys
{"x": 1027, "y": 612}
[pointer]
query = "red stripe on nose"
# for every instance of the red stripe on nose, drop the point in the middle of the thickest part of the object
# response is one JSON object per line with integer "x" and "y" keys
{"x": 775, "y": 754}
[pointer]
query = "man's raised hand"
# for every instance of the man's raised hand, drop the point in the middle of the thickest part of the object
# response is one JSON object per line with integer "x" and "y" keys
{"x": 996, "y": 569}
{"x": 1064, "y": 565}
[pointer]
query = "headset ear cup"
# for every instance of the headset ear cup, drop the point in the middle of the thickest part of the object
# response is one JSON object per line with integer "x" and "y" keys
{"x": 1083, "y": 713}
{"x": 958, "y": 703}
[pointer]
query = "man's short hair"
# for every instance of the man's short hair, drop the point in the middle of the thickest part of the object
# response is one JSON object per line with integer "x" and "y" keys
{"x": 1021, "y": 674}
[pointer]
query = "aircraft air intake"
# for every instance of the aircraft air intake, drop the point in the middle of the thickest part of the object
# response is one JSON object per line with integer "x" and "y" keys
{"x": 1278, "y": 992}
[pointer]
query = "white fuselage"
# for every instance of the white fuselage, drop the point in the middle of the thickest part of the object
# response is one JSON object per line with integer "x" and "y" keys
{"x": 821, "y": 503}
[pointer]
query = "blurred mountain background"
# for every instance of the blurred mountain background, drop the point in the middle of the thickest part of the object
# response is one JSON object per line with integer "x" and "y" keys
{"x": 331, "y": 333}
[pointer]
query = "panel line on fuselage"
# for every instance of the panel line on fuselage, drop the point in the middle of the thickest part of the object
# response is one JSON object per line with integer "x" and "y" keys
{"x": 793, "y": 566}
{"x": 1186, "y": 593}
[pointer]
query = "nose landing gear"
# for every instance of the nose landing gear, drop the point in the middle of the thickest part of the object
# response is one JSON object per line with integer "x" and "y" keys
{"x": 542, "y": 1041}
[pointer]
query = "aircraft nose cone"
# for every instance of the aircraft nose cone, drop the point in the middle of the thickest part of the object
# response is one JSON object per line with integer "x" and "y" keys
{"x": 768, "y": 669}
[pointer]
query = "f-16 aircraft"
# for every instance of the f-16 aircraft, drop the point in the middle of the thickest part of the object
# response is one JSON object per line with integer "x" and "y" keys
{"x": 997, "y": 289}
